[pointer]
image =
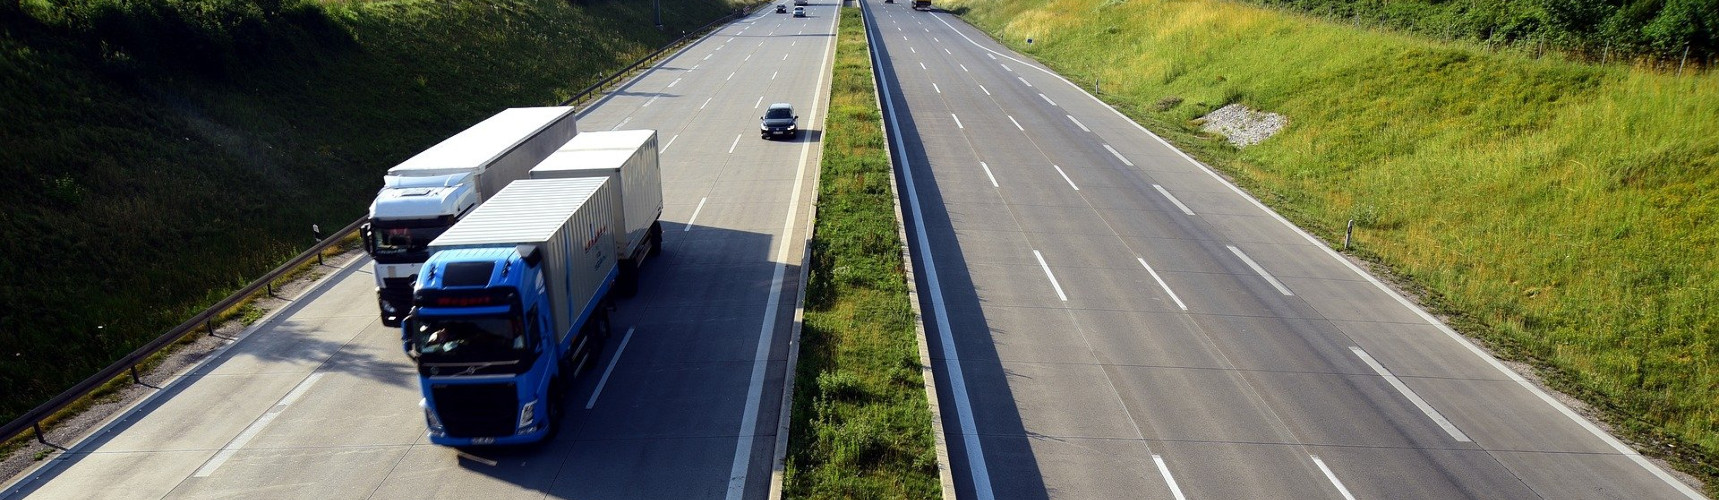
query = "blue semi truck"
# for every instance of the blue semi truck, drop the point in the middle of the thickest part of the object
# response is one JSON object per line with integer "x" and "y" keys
{"x": 512, "y": 300}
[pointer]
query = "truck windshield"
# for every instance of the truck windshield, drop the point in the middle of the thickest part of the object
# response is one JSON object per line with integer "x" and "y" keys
{"x": 469, "y": 340}
{"x": 405, "y": 242}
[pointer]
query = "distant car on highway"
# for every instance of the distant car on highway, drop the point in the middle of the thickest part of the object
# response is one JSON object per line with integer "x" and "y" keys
{"x": 802, "y": 2}
{"x": 781, "y": 8}
{"x": 779, "y": 120}
{"x": 799, "y": 12}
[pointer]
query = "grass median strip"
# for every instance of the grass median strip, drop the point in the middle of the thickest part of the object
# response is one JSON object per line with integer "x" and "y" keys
{"x": 862, "y": 427}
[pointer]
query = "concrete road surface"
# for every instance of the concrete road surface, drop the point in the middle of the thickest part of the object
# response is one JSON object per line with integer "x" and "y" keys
{"x": 320, "y": 402}
{"x": 1112, "y": 320}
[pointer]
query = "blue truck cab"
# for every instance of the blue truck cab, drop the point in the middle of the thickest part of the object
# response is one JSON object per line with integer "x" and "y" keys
{"x": 506, "y": 310}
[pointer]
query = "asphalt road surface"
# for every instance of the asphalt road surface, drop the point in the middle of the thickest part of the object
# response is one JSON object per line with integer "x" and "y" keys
{"x": 320, "y": 402}
{"x": 1109, "y": 319}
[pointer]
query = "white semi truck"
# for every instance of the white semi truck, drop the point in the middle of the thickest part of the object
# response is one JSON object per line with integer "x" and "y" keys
{"x": 426, "y": 194}
{"x": 628, "y": 158}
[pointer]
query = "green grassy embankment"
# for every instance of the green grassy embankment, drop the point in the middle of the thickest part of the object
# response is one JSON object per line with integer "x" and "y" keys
{"x": 161, "y": 154}
{"x": 862, "y": 427}
{"x": 1564, "y": 213}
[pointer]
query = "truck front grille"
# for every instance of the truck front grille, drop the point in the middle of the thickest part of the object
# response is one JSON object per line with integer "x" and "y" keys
{"x": 476, "y": 410}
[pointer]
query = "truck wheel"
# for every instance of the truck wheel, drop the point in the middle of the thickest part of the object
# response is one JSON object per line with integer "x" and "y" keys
{"x": 656, "y": 239}
{"x": 627, "y": 284}
{"x": 556, "y": 408}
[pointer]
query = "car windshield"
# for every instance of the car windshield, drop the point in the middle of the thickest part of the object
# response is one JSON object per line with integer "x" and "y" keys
{"x": 469, "y": 340}
{"x": 779, "y": 113}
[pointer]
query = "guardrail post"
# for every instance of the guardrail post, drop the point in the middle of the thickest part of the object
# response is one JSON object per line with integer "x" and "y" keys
{"x": 1348, "y": 233}
{"x": 40, "y": 437}
{"x": 134, "y": 378}
{"x": 209, "y": 325}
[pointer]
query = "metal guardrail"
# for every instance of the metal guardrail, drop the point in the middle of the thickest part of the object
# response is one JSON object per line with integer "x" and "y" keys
{"x": 32, "y": 419}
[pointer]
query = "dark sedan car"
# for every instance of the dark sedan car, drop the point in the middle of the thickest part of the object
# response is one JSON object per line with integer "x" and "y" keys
{"x": 779, "y": 120}
{"x": 782, "y": 8}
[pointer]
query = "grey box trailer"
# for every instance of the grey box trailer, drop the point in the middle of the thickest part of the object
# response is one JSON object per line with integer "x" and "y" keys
{"x": 629, "y": 159}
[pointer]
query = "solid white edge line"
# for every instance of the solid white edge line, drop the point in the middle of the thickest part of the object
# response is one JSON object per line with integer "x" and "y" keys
{"x": 981, "y": 475}
{"x": 1065, "y": 177}
{"x": 1047, "y": 99}
{"x": 1562, "y": 408}
{"x": 988, "y": 175}
{"x": 615, "y": 360}
{"x": 1171, "y": 480}
{"x": 1161, "y": 283}
{"x": 957, "y": 120}
{"x": 767, "y": 332}
{"x": 1118, "y": 155}
{"x": 1077, "y": 122}
{"x": 1172, "y": 199}
{"x": 1255, "y": 265}
{"x": 1017, "y": 124}
{"x": 1333, "y": 477}
{"x": 1048, "y": 274}
{"x": 670, "y": 143}
{"x": 1431, "y": 413}
{"x": 695, "y": 214}
{"x": 257, "y": 426}
{"x": 736, "y": 143}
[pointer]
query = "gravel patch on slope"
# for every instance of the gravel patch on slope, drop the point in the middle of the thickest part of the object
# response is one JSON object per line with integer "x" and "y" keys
{"x": 1242, "y": 126}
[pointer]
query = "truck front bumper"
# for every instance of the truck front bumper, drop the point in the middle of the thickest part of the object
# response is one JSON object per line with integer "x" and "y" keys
{"x": 529, "y": 437}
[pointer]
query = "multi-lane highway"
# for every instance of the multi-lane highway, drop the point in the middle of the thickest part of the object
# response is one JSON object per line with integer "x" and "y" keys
{"x": 1109, "y": 319}
{"x": 320, "y": 402}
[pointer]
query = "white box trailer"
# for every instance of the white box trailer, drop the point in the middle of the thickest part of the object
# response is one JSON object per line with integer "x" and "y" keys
{"x": 567, "y": 220}
{"x": 498, "y": 150}
{"x": 628, "y": 158}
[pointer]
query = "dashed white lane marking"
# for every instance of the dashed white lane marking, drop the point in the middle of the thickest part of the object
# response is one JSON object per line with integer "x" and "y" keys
{"x": 1398, "y": 384}
{"x": 987, "y": 92}
{"x": 1165, "y": 471}
{"x": 988, "y": 175}
{"x": 946, "y": 51}
{"x": 922, "y": 66}
{"x": 936, "y": 88}
{"x": 1047, "y": 99}
{"x": 673, "y": 83}
{"x": 759, "y": 103}
{"x": 964, "y": 68}
{"x": 730, "y": 76}
{"x": 773, "y": 74}
{"x": 1332, "y": 477}
{"x": 957, "y": 120}
{"x": 1173, "y": 199}
{"x": 784, "y": 57}
{"x": 670, "y": 143}
{"x": 701, "y": 106}
{"x": 1017, "y": 124}
{"x": 1118, "y": 155}
{"x": 1255, "y": 265}
{"x": 648, "y": 103}
{"x": 615, "y": 360}
{"x": 257, "y": 427}
{"x": 1006, "y": 68}
{"x": 737, "y": 143}
{"x": 1078, "y": 123}
{"x": 707, "y": 57}
{"x": 1161, "y": 283}
{"x": 1024, "y": 80}
{"x": 623, "y": 122}
{"x": 747, "y": 58}
{"x": 1065, "y": 177}
{"x": 1048, "y": 274}
{"x": 913, "y": 50}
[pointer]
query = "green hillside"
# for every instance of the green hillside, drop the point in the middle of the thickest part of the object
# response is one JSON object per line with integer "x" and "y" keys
{"x": 1564, "y": 213}
{"x": 160, "y": 153}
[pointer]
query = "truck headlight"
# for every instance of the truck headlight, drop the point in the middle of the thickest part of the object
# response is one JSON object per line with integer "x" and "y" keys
{"x": 430, "y": 417}
{"x": 528, "y": 414}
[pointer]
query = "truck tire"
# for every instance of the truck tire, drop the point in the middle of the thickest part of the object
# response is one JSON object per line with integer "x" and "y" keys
{"x": 557, "y": 408}
{"x": 656, "y": 239}
{"x": 627, "y": 284}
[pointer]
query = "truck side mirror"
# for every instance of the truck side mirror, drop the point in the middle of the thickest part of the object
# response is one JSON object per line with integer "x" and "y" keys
{"x": 365, "y": 233}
